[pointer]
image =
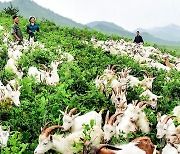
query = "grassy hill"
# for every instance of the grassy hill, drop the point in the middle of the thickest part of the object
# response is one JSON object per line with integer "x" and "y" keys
{"x": 41, "y": 103}
{"x": 29, "y": 7}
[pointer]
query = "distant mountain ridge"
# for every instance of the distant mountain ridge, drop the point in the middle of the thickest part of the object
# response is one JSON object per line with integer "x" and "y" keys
{"x": 170, "y": 32}
{"x": 111, "y": 28}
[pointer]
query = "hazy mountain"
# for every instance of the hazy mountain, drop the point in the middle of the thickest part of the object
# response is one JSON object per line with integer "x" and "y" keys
{"x": 169, "y": 32}
{"x": 111, "y": 28}
{"x": 29, "y": 7}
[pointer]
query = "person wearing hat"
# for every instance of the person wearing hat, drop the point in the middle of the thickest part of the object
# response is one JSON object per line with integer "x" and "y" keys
{"x": 32, "y": 27}
{"x": 16, "y": 31}
{"x": 138, "y": 38}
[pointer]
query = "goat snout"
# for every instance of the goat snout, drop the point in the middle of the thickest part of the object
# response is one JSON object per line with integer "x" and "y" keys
{"x": 132, "y": 119}
{"x": 158, "y": 136}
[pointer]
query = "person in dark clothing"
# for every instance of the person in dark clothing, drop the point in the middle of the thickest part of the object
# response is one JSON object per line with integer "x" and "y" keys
{"x": 16, "y": 31}
{"x": 138, "y": 38}
{"x": 32, "y": 27}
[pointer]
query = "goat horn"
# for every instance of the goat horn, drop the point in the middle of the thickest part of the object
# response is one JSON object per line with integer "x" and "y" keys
{"x": 45, "y": 126}
{"x": 96, "y": 149}
{"x": 126, "y": 71}
{"x": 10, "y": 85}
{"x": 113, "y": 67}
{"x": 122, "y": 105}
{"x": 47, "y": 131}
{"x": 16, "y": 85}
{"x": 135, "y": 102}
{"x": 72, "y": 111}
{"x": 140, "y": 104}
{"x": 111, "y": 121}
{"x": 147, "y": 73}
{"x": 44, "y": 67}
{"x": 107, "y": 117}
{"x": 66, "y": 109}
{"x": 167, "y": 118}
{"x": 109, "y": 67}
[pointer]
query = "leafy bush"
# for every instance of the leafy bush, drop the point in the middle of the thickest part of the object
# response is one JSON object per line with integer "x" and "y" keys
{"x": 11, "y": 10}
{"x": 41, "y": 103}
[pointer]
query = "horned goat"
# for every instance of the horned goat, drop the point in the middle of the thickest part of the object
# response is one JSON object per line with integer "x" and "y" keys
{"x": 76, "y": 122}
{"x": 152, "y": 98}
{"x": 63, "y": 144}
{"x": 12, "y": 92}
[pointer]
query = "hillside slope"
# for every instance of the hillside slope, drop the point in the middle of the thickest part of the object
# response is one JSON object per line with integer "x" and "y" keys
{"x": 41, "y": 103}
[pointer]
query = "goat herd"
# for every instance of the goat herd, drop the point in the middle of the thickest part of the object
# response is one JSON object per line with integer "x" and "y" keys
{"x": 127, "y": 118}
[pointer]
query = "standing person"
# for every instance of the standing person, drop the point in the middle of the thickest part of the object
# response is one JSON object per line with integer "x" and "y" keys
{"x": 32, "y": 27}
{"x": 138, "y": 38}
{"x": 16, "y": 31}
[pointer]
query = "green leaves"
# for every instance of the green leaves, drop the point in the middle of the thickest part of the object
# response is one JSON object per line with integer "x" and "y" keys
{"x": 41, "y": 103}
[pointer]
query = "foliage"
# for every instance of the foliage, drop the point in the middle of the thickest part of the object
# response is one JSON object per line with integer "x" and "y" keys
{"x": 11, "y": 10}
{"x": 41, "y": 103}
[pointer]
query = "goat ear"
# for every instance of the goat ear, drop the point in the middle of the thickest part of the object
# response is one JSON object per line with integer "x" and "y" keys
{"x": 159, "y": 96}
{"x": 145, "y": 77}
{"x": 114, "y": 90}
{"x": 115, "y": 123}
{"x": 8, "y": 129}
{"x": 19, "y": 87}
{"x": 144, "y": 106}
{"x": 159, "y": 116}
{"x": 75, "y": 116}
{"x": 63, "y": 112}
{"x": 51, "y": 138}
{"x": 1, "y": 129}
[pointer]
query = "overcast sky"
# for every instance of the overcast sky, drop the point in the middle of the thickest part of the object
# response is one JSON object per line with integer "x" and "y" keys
{"x": 130, "y": 14}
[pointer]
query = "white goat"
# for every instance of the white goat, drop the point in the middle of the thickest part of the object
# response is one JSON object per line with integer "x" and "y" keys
{"x": 133, "y": 119}
{"x": 12, "y": 92}
{"x": 14, "y": 54}
{"x": 174, "y": 140}
{"x": 119, "y": 96}
{"x": 165, "y": 126}
{"x": 39, "y": 75}
{"x": 110, "y": 127}
{"x": 1, "y": 27}
{"x": 12, "y": 65}
{"x": 54, "y": 78}
{"x": 76, "y": 122}
{"x": 61, "y": 144}
{"x": 67, "y": 56}
{"x": 146, "y": 83}
{"x": 4, "y": 136}
{"x": 152, "y": 98}
{"x": 176, "y": 112}
{"x": 169, "y": 149}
